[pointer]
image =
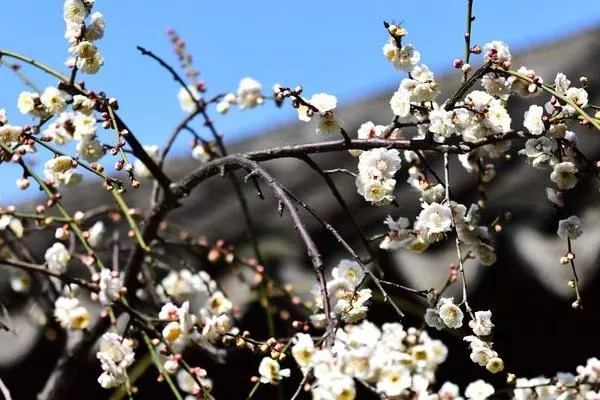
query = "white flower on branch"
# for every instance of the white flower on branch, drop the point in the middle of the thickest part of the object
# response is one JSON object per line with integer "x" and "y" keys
{"x": 379, "y": 163}
{"x": 187, "y": 102}
{"x": 561, "y": 83}
{"x": 533, "y": 121}
{"x": 564, "y": 175}
{"x": 90, "y": 65}
{"x": 90, "y": 150}
{"x": 479, "y": 390}
{"x": 57, "y": 257}
{"x": 497, "y": 51}
{"x": 570, "y": 228}
{"x": 393, "y": 380}
{"x": 400, "y": 103}
{"x": 140, "y": 168}
{"x": 85, "y": 126}
{"x": 115, "y": 355}
{"x": 403, "y": 59}
{"x": 96, "y": 232}
{"x": 188, "y": 384}
{"x": 442, "y": 122}
{"x": 434, "y": 220}
{"x": 54, "y": 100}
{"x": 9, "y": 134}
{"x": 378, "y": 192}
{"x": 30, "y": 103}
{"x": 95, "y": 29}
{"x": 70, "y": 314}
{"x": 74, "y": 11}
{"x": 249, "y": 93}
{"x": 450, "y": 313}
{"x": 303, "y": 350}
{"x": 421, "y": 86}
{"x": 368, "y": 130}
{"x": 271, "y": 372}
{"x": 524, "y": 87}
{"x": 353, "y": 306}
{"x": 110, "y": 286}
{"x": 482, "y": 324}
{"x": 349, "y": 270}
{"x": 481, "y": 351}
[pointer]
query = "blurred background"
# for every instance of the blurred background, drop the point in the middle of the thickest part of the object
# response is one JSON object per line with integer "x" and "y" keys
{"x": 333, "y": 47}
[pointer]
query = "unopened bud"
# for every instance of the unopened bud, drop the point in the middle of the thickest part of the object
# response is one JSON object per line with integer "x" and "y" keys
{"x": 458, "y": 63}
{"x": 22, "y": 183}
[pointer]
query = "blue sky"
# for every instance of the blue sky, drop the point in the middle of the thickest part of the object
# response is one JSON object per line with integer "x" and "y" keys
{"x": 330, "y": 46}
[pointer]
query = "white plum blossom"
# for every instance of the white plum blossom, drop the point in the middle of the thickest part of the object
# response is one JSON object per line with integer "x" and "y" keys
{"x": 421, "y": 85}
{"x": 481, "y": 351}
{"x": 353, "y": 307}
{"x": 200, "y": 153}
{"x": 271, "y": 372}
{"x": 10, "y": 133}
{"x": 95, "y": 29}
{"x": 441, "y": 122}
{"x": 378, "y": 192}
{"x": 555, "y": 196}
{"x": 54, "y": 100}
{"x": 450, "y": 313}
{"x": 110, "y": 287}
{"x": 400, "y": 103}
{"x": 140, "y": 168}
{"x": 561, "y": 83}
{"x": 369, "y": 130}
{"x": 433, "y": 319}
{"x": 188, "y": 384}
{"x": 85, "y": 126}
{"x": 74, "y": 11}
{"x": 533, "y": 121}
{"x": 70, "y": 314}
{"x": 249, "y": 93}
{"x": 479, "y": 390}
{"x": 115, "y": 355}
{"x": 394, "y": 380}
{"x": 435, "y": 219}
{"x": 350, "y": 271}
{"x": 303, "y": 350}
{"x": 482, "y": 324}
{"x": 90, "y": 150}
{"x": 524, "y": 87}
{"x": 564, "y": 175}
{"x": 403, "y": 59}
{"x": 57, "y": 257}
{"x": 497, "y": 51}
{"x": 96, "y": 233}
{"x": 30, "y": 103}
{"x": 496, "y": 86}
{"x": 15, "y": 225}
{"x": 570, "y": 228}
{"x": 379, "y": 163}
{"x": 324, "y": 104}
{"x": 187, "y": 102}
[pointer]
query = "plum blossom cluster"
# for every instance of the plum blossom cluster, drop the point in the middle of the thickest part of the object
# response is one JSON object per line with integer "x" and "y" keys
{"x": 82, "y": 34}
{"x": 376, "y": 170}
{"x": 393, "y": 360}
{"x": 248, "y": 95}
{"x": 205, "y": 313}
{"x": 115, "y": 355}
{"x": 346, "y": 299}
{"x": 446, "y": 314}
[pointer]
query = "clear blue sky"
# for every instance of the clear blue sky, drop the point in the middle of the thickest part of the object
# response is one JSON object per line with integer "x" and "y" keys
{"x": 330, "y": 46}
